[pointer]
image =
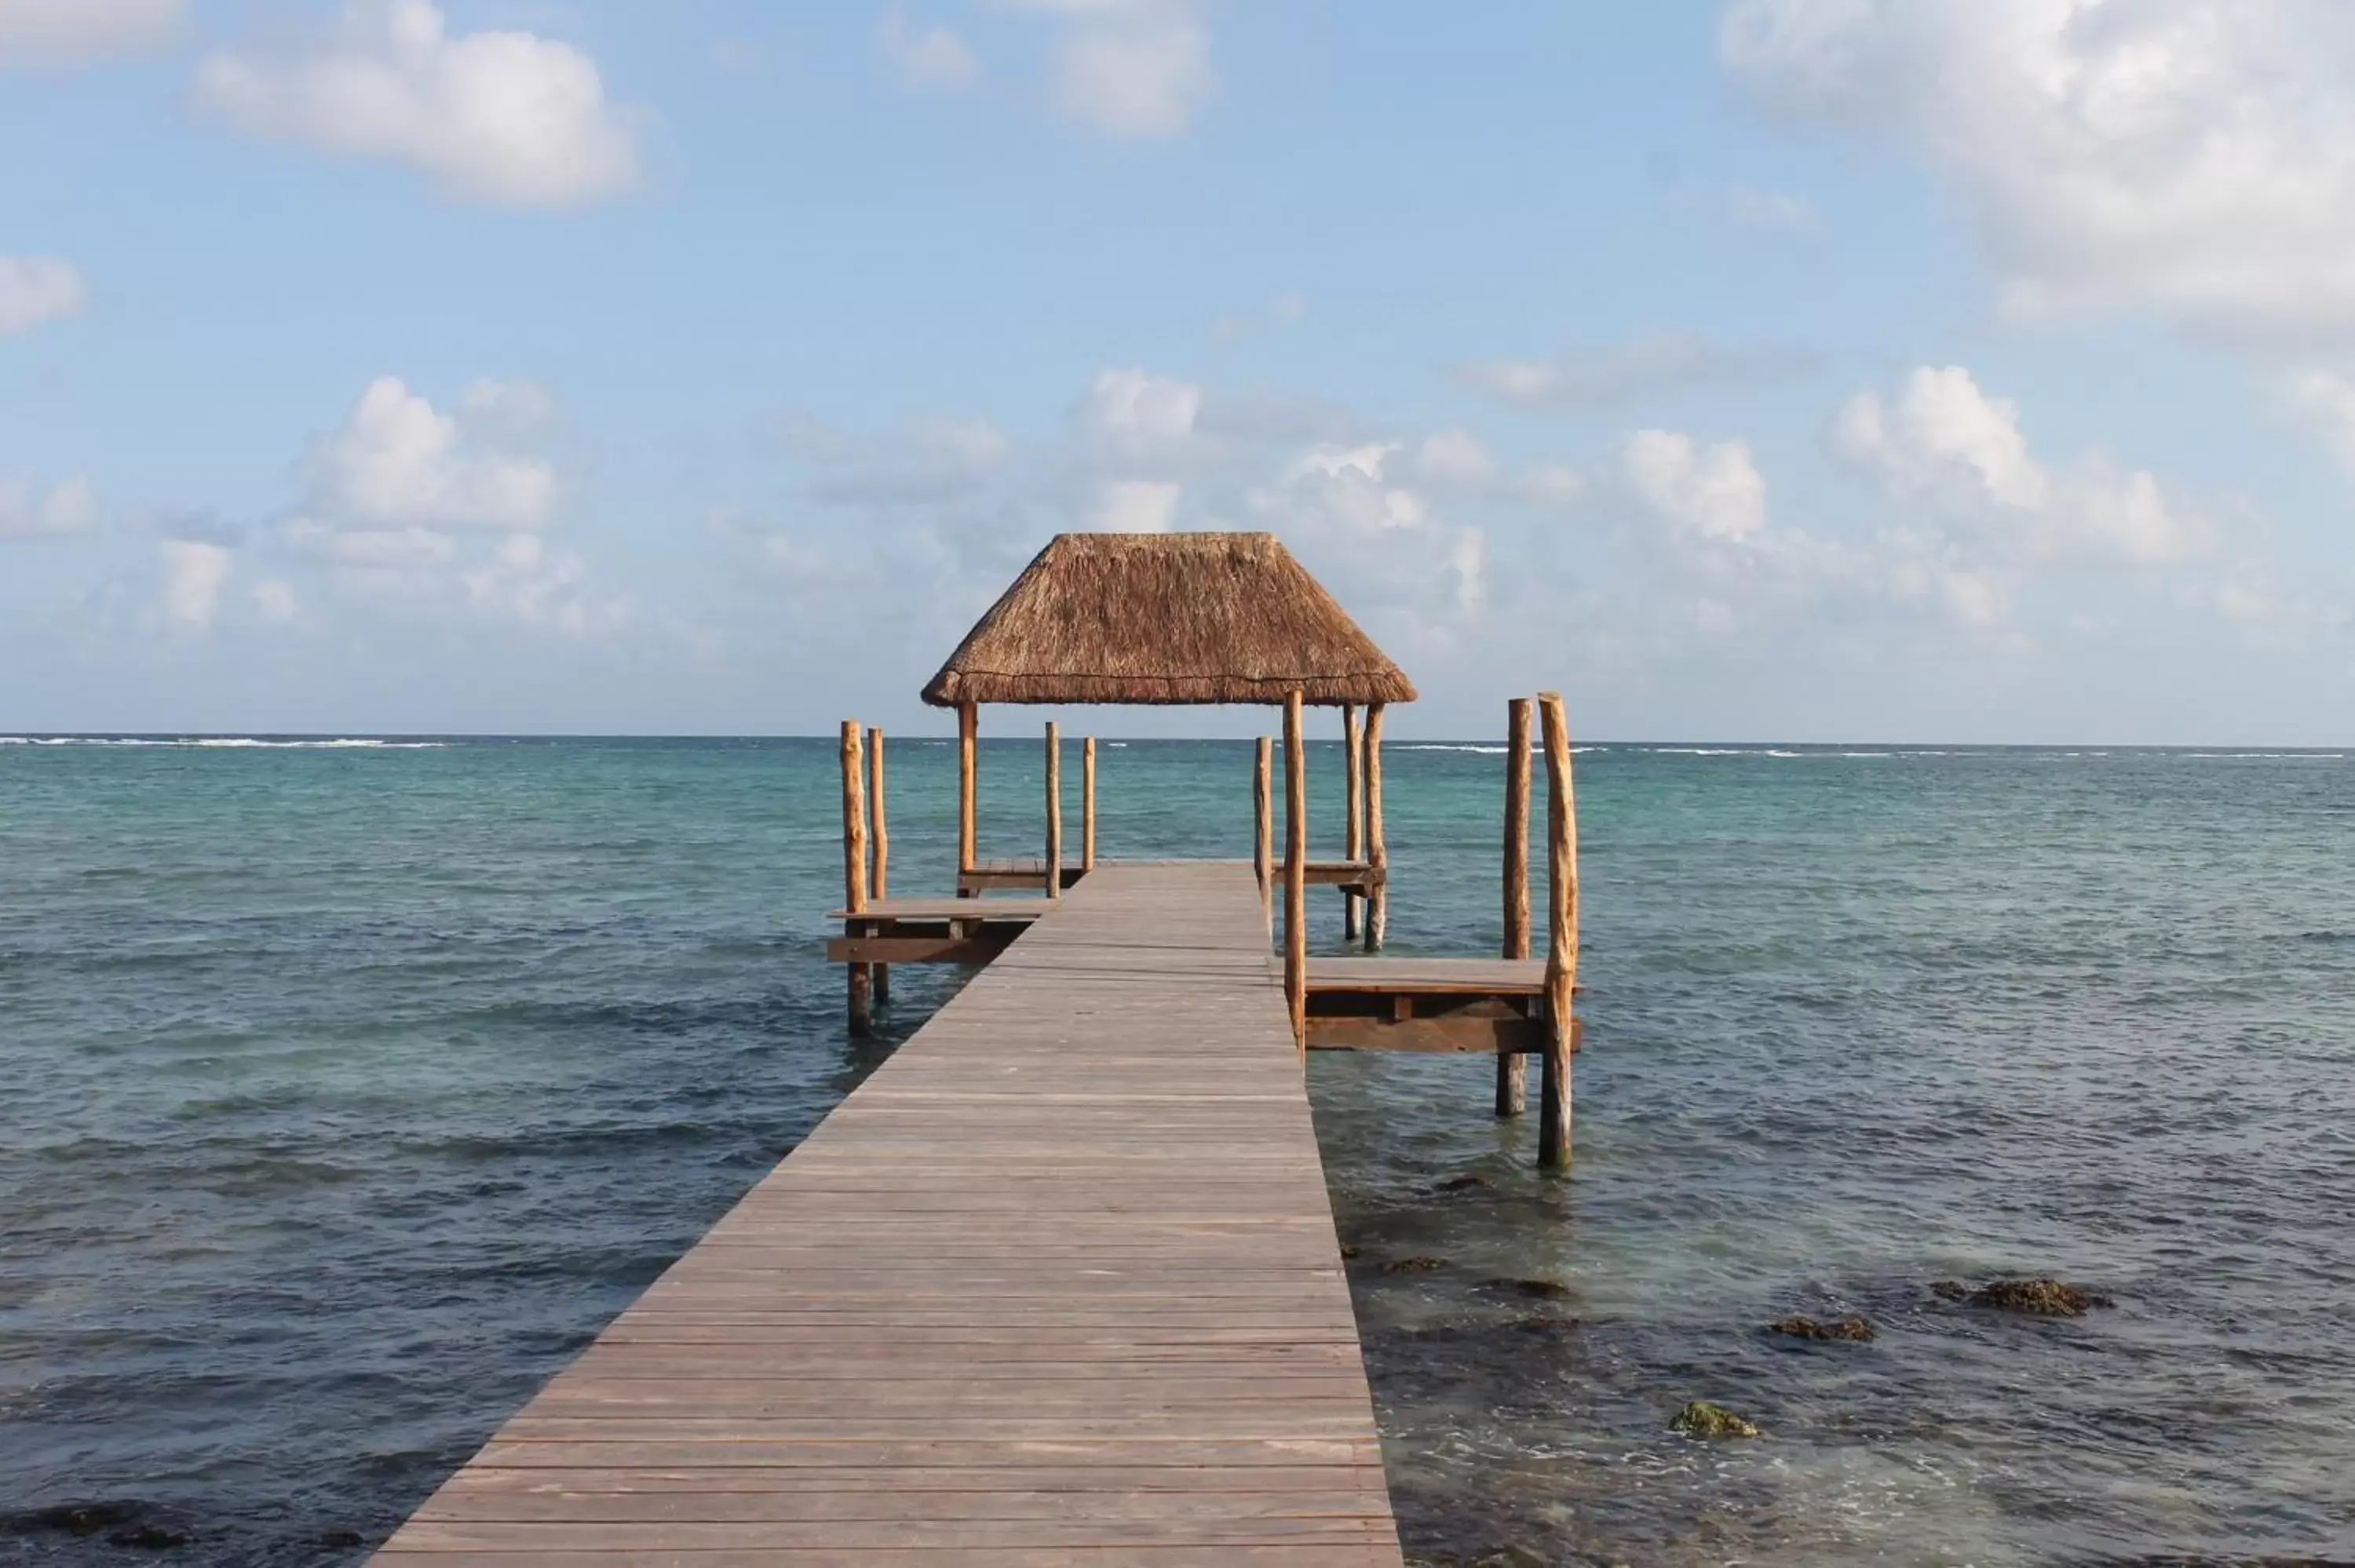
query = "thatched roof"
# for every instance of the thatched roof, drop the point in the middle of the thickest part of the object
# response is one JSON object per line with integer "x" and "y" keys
{"x": 1166, "y": 618}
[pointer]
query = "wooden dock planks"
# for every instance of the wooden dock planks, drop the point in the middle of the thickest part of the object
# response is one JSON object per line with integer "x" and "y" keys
{"x": 1057, "y": 1285}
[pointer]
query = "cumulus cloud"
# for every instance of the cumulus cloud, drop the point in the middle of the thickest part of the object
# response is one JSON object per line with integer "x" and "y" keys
{"x": 2192, "y": 158}
{"x": 399, "y": 462}
{"x": 1710, "y": 492}
{"x": 193, "y": 573}
{"x": 1597, "y": 377}
{"x": 499, "y": 117}
{"x": 1133, "y": 68}
{"x": 526, "y": 580}
{"x": 1944, "y": 447}
{"x": 1136, "y": 506}
{"x": 70, "y": 32}
{"x": 70, "y": 506}
{"x": 37, "y": 289}
{"x": 925, "y": 58}
{"x": 1137, "y": 413}
{"x": 1378, "y": 536}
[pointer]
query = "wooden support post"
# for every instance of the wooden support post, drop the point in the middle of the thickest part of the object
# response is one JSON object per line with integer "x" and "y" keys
{"x": 1512, "y": 1070}
{"x": 1054, "y": 810}
{"x": 1561, "y": 936}
{"x": 1296, "y": 872}
{"x": 1378, "y": 854}
{"x": 968, "y": 743}
{"x": 879, "y": 881}
{"x": 1088, "y": 804}
{"x": 1263, "y": 845}
{"x": 1353, "y": 841}
{"x": 854, "y": 862}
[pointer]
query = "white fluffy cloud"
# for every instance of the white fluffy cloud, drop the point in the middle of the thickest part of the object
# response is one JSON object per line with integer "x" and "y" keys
{"x": 926, "y": 59}
{"x": 1707, "y": 492}
{"x": 68, "y": 32}
{"x": 2194, "y": 158}
{"x": 1134, "y": 412}
{"x": 1945, "y": 449}
{"x": 1137, "y": 68}
{"x": 193, "y": 573}
{"x": 398, "y": 462}
{"x": 70, "y": 506}
{"x": 1136, "y": 506}
{"x": 501, "y": 117}
{"x": 525, "y": 580}
{"x": 37, "y": 289}
{"x": 1596, "y": 377}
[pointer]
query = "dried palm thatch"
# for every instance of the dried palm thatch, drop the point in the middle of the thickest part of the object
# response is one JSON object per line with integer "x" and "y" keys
{"x": 1166, "y": 618}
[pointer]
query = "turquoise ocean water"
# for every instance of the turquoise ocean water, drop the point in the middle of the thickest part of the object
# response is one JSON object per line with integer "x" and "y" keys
{"x": 345, "y": 1090}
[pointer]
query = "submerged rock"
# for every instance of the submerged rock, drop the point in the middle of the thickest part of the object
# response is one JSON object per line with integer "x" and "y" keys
{"x": 1854, "y": 1328}
{"x": 2038, "y": 1297}
{"x": 1541, "y": 1290}
{"x": 1348, "y": 1251}
{"x": 76, "y": 1519}
{"x": 151, "y": 1537}
{"x": 1414, "y": 1265}
{"x": 1466, "y": 1183}
{"x": 1702, "y": 1419}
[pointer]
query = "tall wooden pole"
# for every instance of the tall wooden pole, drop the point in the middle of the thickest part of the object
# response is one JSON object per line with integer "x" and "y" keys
{"x": 1378, "y": 854}
{"x": 854, "y": 866}
{"x": 1561, "y": 936}
{"x": 1296, "y": 872}
{"x": 1512, "y": 1067}
{"x": 1054, "y": 810}
{"x": 1353, "y": 770}
{"x": 1088, "y": 804}
{"x": 968, "y": 743}
{"x": 880, "y": 881}
{"x": 1263, "y": 814}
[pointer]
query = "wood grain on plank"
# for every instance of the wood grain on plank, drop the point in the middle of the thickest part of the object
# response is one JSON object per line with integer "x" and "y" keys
{"x": 1058, "y": 1284}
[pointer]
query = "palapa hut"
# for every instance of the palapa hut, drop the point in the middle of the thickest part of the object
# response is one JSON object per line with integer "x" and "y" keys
{"x": 1174, "y": 619}
{"x": 1166, "y": 618}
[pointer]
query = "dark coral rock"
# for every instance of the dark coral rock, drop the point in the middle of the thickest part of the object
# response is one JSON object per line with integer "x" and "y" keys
{"x": 2038, "y": 1297}
{"x": 1414, "y": 1265}
{"x": 1467, "y": 1183}
{"x": 1702, "y": 1419}
{"x": 76, "y": 1519}
{"x": 1541, "y": 1290}
{"x": 1854, "y": 1328}
{"x": 150, "y": 1537}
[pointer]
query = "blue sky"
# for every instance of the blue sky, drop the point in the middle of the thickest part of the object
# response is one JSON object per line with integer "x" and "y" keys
{"x": 1770, "y": 369}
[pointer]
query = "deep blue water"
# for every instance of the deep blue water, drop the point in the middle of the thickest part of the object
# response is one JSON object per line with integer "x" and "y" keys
{"x": 344, "y": 1092}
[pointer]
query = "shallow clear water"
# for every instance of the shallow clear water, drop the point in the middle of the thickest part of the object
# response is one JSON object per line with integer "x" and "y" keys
{"x": 350, "y": 1090}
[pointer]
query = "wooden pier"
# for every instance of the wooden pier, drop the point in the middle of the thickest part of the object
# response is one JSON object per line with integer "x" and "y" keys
{"x": 1057, "y": 1285}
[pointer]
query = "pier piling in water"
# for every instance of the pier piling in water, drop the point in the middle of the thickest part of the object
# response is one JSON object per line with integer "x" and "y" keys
{"x": 1561, "y": 938}
{"x": 1088, "y": 804}
{"x": 1296, "y": 872}
{"x": 1353, "y": 831}
{"x": 1512, "y": 1070}
{"x": 1378, "y": 854}
{"x": 879, "y": 881}
{"x": 1054, "y": 810}
{"x": 854, "y": 867}
{"x": 1263, "y": 818}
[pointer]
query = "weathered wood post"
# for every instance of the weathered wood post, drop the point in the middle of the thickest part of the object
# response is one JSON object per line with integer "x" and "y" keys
{"x": 880, "y": 880}
{"x": 1088, "y": 804}
{"x": 1378, "y": 854}
{"x": 1296, "y": 872}
{"x": 1512, "y": 1067}
{"x": 854, "y": 866}
{"x": 1263, "y": 845}
{"x": 968, "y": 743}
{"x": 1353, "y": 843}
{"x": 1561, "y": 936}
{"x": 1054, "y": 810}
